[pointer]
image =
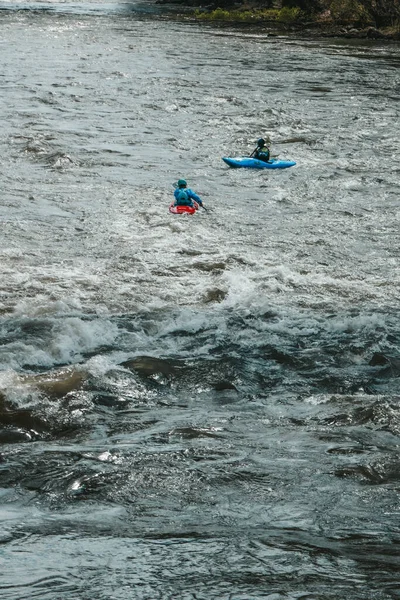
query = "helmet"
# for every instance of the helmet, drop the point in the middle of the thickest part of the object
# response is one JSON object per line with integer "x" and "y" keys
{"x": 261, "y": 142}
{"x": 182, "y": 183}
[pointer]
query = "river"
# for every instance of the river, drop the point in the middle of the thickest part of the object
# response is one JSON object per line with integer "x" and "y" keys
{"x": 198, "y": 407}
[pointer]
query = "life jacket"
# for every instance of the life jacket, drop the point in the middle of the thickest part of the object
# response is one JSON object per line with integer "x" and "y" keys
{"x": 263, "y": 153}
{"x": 183, "y": 198}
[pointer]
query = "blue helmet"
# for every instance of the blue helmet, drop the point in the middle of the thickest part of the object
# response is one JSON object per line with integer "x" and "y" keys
{"x": 261, "y": 142}
{"x": 182, "y": 183}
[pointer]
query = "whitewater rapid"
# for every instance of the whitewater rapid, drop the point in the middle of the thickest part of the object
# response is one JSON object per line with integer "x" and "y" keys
{"x": 196, "y": 407}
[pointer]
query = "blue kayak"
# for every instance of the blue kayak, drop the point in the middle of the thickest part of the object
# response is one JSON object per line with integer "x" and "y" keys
{"x": 254, "y": 163}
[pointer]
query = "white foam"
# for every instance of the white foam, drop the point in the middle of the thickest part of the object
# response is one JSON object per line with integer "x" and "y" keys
{"x": 99, "y": 366}
{"x": 76, "y": 337}
{"x": 41, "y": 305}
{"x": 357, "y": 323}
{"x": 242, "y": 290}
{"x": 64, "y": 342}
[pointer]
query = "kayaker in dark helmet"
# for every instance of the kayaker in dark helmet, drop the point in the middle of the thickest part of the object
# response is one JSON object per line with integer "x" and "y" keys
{"x": 261, "y": 151}
{"x": 184, "y": 196}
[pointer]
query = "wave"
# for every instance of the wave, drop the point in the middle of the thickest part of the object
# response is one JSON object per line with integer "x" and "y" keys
{"x": 88, "y": 7}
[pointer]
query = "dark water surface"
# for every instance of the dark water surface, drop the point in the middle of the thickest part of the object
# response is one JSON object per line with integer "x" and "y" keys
{"x": 207, "y": 407}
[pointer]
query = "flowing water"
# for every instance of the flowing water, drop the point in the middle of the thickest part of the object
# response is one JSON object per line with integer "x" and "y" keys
{"x": 201, "y": 407}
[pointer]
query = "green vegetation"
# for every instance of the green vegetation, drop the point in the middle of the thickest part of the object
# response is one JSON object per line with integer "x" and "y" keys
{"x": 289, "y": 14}
{"x": 284, "y": 15}
{"x": 383, "y": 14}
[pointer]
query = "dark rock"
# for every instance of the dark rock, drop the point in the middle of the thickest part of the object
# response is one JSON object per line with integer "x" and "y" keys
{"x": 378, "y": 359}
{"x": 148, "y": 365}
{"x": 14, "y": 436}
{"x": 374, "y": 33}
{"x": 391, "y": 365}
{"x": 219, "y": 386}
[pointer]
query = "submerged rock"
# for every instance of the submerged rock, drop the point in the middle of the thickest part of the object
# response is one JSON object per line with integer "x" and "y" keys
{"x": 57, "y": 383}
{"x": 14, "y": 436}
{"x": 148, "y": 365}
{"x": 20, "y": 424}
{"x": 224, "y": 384}
{"x": 391, "y": 365}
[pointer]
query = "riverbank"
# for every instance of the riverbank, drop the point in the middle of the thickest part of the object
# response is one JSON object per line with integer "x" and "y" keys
{"x": 278, "y": 21}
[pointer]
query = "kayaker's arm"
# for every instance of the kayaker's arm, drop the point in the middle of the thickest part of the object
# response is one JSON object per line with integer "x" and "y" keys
{"x": 194, "y": 196}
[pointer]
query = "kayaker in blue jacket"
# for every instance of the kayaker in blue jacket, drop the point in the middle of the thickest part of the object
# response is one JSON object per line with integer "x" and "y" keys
{"x": 261, "y": 152}
{"x": 184, "y": 196}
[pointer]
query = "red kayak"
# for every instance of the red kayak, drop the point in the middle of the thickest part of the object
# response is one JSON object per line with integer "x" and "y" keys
{"x": 182, "y": 209}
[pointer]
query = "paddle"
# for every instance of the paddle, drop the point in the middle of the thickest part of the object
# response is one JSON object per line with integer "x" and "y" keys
{"x": 255, "y": 150}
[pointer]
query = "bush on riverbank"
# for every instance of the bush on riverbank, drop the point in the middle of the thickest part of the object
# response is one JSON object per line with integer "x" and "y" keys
{"x": 350, "y": 12}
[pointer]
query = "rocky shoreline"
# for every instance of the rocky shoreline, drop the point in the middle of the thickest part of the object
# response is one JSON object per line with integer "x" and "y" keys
{"x": 193, "y": 10}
